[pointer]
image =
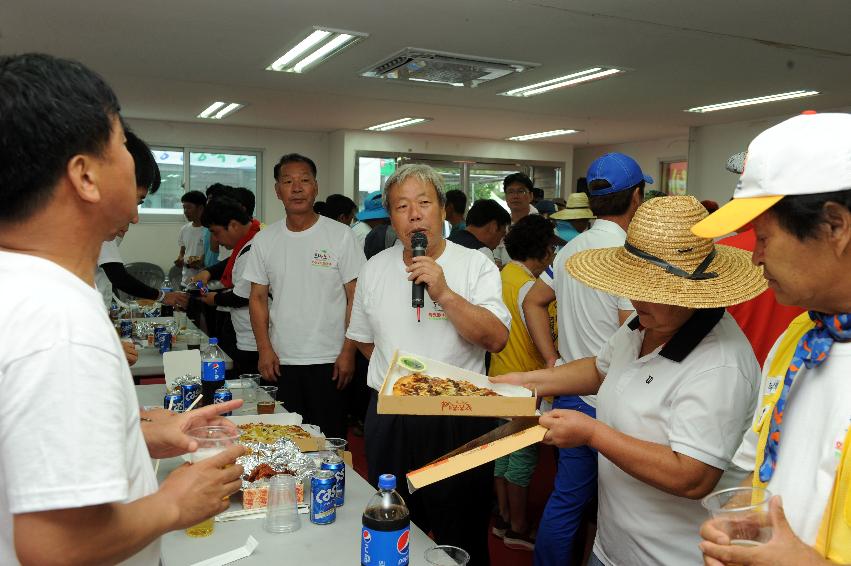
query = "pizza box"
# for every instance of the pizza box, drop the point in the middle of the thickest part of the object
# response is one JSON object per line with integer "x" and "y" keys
{"x": 312, "y": 444}
{"x": 514, "y": 435}
{"x": 513, "y": 400}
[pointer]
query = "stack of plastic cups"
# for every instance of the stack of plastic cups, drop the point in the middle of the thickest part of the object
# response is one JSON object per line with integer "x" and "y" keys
{"x": 282, "y": 507}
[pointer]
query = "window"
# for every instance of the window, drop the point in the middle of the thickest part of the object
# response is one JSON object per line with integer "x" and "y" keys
{"x": 202, "y": 168}
{"x": 478, "y": 178}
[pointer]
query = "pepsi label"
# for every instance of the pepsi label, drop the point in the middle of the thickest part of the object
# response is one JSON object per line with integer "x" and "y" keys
{"x": 213, "y": 371}
{"x": 385, "y": 548}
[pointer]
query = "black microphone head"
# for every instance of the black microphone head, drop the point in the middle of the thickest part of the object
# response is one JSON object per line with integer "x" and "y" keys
{"x": 419, "y": 240}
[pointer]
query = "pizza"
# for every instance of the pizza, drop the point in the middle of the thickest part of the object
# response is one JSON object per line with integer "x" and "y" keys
{"x": 420, "y": 384}
{"x": 269, "y": 433}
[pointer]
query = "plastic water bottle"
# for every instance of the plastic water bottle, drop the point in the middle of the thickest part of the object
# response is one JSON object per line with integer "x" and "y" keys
{"x": 166, "y": 310}
{"x": 386, "y": 527}
{"x": 212, "y": 371}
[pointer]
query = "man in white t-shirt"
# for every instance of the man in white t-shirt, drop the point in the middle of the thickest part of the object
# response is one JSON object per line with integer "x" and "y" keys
{"x": 309, "y": 264}
{"x": 76, "y": 481}
{"x": 795, "y": 191}
{"x": 587, "y": 318}
{"x": 463, "y": 317}
{"x": 518, "y": 196}
{"x": 190, "y": 239}
{"x": 234, "y": 229}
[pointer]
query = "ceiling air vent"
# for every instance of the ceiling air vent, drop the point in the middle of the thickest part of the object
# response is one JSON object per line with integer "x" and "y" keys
{"x": 438, "y": 67}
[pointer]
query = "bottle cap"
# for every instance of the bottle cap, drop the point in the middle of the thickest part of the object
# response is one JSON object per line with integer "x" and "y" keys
{"x": 386, "y": 481}
{"x": 214, "y": 341}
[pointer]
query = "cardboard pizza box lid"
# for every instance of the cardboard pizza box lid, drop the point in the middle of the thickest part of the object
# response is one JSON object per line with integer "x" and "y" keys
{"x": 513, "y": 400}
{"x": 514, "y": 435}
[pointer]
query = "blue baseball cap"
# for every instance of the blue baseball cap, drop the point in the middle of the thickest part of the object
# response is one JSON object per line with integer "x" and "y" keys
{"x": 621, "y": 171}
{"x": 372, "y": 208}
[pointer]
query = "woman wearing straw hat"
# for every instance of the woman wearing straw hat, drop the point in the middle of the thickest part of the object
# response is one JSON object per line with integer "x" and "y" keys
{"x": 676, "y": 385}
{"x": 574, "y": 218}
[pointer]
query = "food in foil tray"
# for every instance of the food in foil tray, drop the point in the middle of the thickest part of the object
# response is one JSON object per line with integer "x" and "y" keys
{"x": 265, "y": 460}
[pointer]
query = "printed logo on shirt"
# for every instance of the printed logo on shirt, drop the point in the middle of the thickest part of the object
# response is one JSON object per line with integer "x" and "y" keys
{"x": 322, "y": 258}
{"x": 840, "y": 440}
{"x": 649, "y": 379}
{"x": 437, "y": 313}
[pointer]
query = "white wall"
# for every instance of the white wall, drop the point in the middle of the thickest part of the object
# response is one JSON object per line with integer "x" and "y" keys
{"x": 156, "y": 242}
{"x": 648, "y": 154}
{"x": 710, "y": 148}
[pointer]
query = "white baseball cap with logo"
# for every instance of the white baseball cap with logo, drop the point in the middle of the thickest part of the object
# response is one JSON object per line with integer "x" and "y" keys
{"x": 807, "y": 154}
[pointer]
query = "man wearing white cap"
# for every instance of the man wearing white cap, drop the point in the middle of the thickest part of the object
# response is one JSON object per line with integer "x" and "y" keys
{"x": 795, "y": 192}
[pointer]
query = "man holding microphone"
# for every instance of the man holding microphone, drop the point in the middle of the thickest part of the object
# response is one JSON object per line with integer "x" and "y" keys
{"x": 462, "y": 317}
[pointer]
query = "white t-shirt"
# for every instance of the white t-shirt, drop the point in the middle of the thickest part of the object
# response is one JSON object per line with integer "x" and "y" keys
{"x": 815, "y": 422}
{"x": 69, "y": 428}
{"x": 361, "y": 230}
{"x": 239, "y": 317}
{"x": 192, "y": 238}
{"x": 699, "y": 406}
{"x": 382, "y": 313}
{"x": 587, "y": 318}
{"x": 305, "y": 272}
{"x": 108, "y": 254}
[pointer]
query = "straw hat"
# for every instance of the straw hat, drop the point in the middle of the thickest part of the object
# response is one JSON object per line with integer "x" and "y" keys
{"x": 576, "y": 208}
{"x": 663, "y": 262}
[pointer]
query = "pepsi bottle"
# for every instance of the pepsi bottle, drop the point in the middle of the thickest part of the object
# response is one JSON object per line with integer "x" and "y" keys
{"x": 386, "y": 527}
{"x": 212, "y": 371}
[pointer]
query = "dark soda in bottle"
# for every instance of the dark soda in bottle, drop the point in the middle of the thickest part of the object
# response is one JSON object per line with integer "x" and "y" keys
{"x": 386, "y": 527}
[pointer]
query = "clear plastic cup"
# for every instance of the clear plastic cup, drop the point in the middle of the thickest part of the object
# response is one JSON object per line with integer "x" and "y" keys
{"x": 444, "y": 555}
{"x": 742, "y": 513}
{"x": 266, "y": 396}
{"x": 248, "y": 383}
{"x": 282, "y": 507}
{"x": 211, "y": 441}
{"x": 336, "y": 445}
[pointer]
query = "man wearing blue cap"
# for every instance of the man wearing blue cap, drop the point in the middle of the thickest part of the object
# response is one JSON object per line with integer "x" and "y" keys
{"x": 373, "y": 214}
{"x": 587, "y": 318}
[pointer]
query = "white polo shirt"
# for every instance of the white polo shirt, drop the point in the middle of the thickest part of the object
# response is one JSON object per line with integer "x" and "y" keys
{"x": 815, "y": 423}
{"x": 587, "y": 318}
{"x": 695, "y": 394}
{"x": 305, "y": 272}
{"x": 382, "y": 313}
{"x": 108, "y": 254}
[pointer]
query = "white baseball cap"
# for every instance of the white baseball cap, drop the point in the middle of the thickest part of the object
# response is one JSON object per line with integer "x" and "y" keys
{"x": 807, "y": 154}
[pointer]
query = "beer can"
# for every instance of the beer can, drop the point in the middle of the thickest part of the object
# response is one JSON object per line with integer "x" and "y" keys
{"x": 159, "y": 329}
{"x": 189, "y": 392}
{"x": 201, "y": 287}
{"x": 323, "y": 511}
{"x": 164, "y": 342}
{"x": 175, "y": 399}
{"x": 222, "y": 395}
{"x": 126, "y": 327}
{"x": 335, "y": 465}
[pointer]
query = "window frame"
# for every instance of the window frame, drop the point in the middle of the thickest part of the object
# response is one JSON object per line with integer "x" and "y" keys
{"x": 465, "y": 164}
{"x": 146, "y": 217}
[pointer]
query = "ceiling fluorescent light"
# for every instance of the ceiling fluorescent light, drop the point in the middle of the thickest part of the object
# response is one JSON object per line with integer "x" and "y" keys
{"x": 318, "y": 46}
{"x": 400, "y": 123}
{"x": 211, "y": 109}
{"x": 752, "y": 101}
{"x": 218, "y": 110}
{"x": 549, "y": 134}
{"x": 592, "y": 74}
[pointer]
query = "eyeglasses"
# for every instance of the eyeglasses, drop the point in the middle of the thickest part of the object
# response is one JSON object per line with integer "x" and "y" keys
{"x": 516, "y": 192}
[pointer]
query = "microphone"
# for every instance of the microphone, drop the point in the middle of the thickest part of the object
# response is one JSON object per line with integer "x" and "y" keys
{"x": 419, "y": 243}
